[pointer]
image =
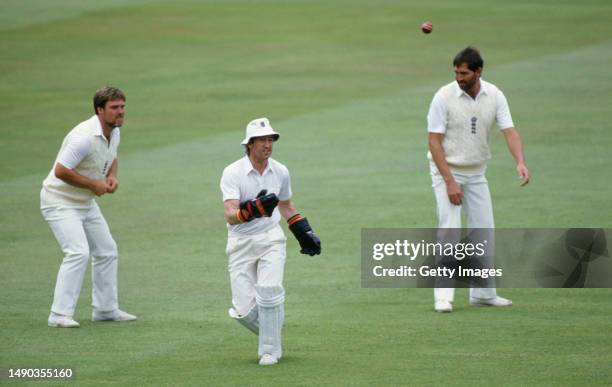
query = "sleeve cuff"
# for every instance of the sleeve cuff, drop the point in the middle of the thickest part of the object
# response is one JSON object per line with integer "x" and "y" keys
{"x": 441, "y": 130}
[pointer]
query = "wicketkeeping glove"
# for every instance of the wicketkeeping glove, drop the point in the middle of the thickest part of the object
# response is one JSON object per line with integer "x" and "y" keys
{"x": 309, "y": 241}
{"x": 263, "y": 205}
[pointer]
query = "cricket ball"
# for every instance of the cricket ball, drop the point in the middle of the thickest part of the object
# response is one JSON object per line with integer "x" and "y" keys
{"x": 427, "y": 27}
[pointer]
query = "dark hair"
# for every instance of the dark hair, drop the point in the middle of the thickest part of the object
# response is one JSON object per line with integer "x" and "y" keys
{"x": 471, "y": 56}
{"x": 246, "y": 146}
{"x": 252, "y": 140}
{"x": 105, "y": 94}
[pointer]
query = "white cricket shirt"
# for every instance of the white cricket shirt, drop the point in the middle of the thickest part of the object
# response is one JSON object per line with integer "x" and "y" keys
{"x": 466, "y": 123}
{"x": 242, "y": 182}
{"x": 86, "y": 151}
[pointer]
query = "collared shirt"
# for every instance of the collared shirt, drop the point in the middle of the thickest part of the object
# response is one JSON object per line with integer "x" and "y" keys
{"x": 437, "y": 118}
{"x": 78, "y": 144}
{"x": 87, "y": 151}
{"x": 242, "y": 182}
{"x": 466, "y": 123}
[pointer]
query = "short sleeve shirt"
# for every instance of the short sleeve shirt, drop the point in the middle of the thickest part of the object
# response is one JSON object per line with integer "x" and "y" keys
{"x": 240, "y": 181}
{"x": 437, "y": 116}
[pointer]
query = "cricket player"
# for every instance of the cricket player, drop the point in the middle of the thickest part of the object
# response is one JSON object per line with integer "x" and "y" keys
{"x": 460, "y": 119}
{"x": 256, "y": 193}
{"x": 86, "y": 167}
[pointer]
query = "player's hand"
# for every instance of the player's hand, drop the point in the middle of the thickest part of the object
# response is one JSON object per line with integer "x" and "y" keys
{"x": 310, "y": 244}
{"x": 455, "y": 194}
{"x": 99, "y": 187}
{"x": 112, "y": 183}
{"x": 523, "y": 173}
{"x": 263, "y": 205}
{"x": 268, "y": 201}
{"x": 309, "y": 241}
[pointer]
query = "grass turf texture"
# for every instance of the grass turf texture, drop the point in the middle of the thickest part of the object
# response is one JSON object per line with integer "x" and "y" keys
{"x": 347, "y": 84}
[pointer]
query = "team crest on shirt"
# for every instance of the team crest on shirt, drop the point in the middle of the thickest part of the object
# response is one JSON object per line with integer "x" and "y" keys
{"x": 473, "y": 120}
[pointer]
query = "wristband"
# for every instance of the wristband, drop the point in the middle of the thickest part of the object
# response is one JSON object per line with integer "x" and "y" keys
{"x": 294, "y": 219}
{"x": 239, "y": 216}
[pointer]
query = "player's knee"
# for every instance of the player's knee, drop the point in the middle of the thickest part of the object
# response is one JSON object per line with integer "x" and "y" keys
{"x": 108, "y": 253}
{"x": 270, "y": 296}
{"x": 244, "y": 307}
{"x": 76, "y": 255}
{"x": 112, "y": 250}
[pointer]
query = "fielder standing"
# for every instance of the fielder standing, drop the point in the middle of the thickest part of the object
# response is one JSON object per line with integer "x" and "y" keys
{"x": 85, "y": 167}
{"x": 252, "y": 188}
{"x": 460, "y": 119}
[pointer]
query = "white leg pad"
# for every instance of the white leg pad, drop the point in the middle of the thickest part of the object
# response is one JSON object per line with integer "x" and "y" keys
{"x": 249, "y": 320}
{"x": 270, "y": 302}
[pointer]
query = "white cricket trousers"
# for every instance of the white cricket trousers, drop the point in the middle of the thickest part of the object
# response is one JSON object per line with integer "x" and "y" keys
{"x": 82, "y": 232}
{"x": 255, "y": 260}
{"x": 478, "y": 212}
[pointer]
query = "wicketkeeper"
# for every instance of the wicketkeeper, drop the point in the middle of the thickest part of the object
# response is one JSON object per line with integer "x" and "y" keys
{"x": 256, "y": 192}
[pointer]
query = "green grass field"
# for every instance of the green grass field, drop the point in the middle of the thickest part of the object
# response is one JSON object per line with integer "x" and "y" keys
{"x": 347, "y": 84}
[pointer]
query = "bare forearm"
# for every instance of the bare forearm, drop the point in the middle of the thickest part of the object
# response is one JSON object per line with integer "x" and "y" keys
{"x": 231, "y": 211}
{"x": 114, "y": 169}
{"x": 437, "y": 154}
{"x": 287, "y": 209}
{"x": 454, "y": 191}
{"x": 515, "y": 145}
{"x": 69, "y": 176}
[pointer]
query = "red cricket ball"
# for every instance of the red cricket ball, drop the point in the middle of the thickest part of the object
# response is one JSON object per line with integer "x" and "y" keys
{"x": 427, "y": 27}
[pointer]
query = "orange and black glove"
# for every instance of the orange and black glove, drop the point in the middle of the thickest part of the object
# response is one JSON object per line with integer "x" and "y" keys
{"x": 309, "y": 241}
{"x": 263, "y": 205}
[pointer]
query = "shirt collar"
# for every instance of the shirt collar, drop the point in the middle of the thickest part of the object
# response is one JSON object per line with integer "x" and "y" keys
{"x": 247, "y": 167}
{"x": 483, "y": 89}
{"x": 97, "y": 127}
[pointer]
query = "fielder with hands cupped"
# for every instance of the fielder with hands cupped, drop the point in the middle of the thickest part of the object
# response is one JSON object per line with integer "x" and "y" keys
{"x": 253, "y": 188}
{"x": 86, "y": 167}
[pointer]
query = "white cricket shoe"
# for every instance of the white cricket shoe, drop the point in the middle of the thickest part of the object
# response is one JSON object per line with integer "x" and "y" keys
{"x": 267, "y": 359}
{"x": 60, "y": 321}
{"x": 497, "y": 301}
{"x": 115, "y": 315}
{"x": 442, "y": 306}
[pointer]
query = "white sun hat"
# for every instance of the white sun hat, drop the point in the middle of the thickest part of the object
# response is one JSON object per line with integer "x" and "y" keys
{"x": 259, "y": 127}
